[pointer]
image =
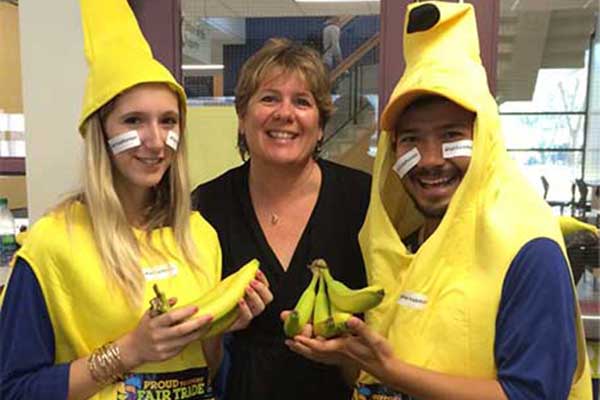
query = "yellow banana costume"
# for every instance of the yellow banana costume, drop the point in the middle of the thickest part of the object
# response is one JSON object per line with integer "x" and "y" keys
{"x": 118, "y": 55}
{"x": 86, "y": 313}
{"x": 456, "y": 276}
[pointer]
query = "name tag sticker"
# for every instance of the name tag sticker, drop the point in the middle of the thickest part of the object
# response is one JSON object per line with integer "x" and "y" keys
{"x": 160, "y": 272}
{"x": 407, "y": 162}
{"x": 460, "y": 148}
{"x": 417, "y": 301}
{"x": 172, "y": 140}
{"x": 124, "y": 141}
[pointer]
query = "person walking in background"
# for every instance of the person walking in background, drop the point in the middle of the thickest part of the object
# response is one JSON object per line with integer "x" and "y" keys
{"x": 471, "y": 290}
{"x": 332, "y": 51}
{"x": 286, "y": 207}
{"x": 74, "y": 322}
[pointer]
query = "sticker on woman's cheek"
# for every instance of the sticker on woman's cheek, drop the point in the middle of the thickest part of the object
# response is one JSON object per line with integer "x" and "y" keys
{"x": 124, "y": 141}
{"x": 461, "y": 148}
{"x": 172, "y": 140}
{"x": 407, "y": 162}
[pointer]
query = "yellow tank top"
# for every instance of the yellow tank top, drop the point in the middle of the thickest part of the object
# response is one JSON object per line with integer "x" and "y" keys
{"x": 87, "y": 312}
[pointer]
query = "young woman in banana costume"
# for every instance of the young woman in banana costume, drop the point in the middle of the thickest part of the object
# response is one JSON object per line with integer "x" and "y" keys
{"x": 75, "y": 321}
{"x": 480, "y": 302}
{"x": 286, "y": 207}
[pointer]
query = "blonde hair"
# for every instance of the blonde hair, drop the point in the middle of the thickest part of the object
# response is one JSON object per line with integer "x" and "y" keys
{"x": 290, "y": 57}
{"x": 170, "y": 207}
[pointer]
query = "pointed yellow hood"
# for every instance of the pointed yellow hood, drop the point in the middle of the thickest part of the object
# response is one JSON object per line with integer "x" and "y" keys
{"x": 117, "y": 54}
{"x": 461, "y": 267}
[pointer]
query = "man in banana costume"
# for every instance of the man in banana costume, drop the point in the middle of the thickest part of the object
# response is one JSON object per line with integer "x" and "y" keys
{"x": 75, "y": 321}
{"x": 480, "y": 303}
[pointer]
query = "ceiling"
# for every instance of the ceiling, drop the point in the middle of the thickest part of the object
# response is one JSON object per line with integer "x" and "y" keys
{"x": 533, "y": 34}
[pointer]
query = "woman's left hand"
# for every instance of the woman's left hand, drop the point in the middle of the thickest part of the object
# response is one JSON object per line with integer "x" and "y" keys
{"x": 254, "y": 302}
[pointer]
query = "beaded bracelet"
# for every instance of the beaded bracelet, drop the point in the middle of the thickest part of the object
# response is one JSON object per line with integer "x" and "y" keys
{"x": 105, "y": 364}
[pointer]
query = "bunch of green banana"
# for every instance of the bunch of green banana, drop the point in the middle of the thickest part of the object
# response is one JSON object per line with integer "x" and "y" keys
{"x": 330, "y": 303}
{"x": 221, "y": 302}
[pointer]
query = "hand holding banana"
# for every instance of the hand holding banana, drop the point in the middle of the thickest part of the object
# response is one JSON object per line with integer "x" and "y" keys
{"x": 329, "y": 304}
{"x": 232, "y": 303}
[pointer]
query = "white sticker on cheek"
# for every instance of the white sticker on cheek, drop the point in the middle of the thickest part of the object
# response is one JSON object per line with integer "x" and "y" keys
{"x": 172, "y": 140}
{"x": 407, "y": 162}
{"x": 124, "y": 141}
{"x": 461, "y": 148}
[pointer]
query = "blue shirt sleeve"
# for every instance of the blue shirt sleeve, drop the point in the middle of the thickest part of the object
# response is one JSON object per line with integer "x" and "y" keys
{"x": 27, "y": 368}
{"x": 535, "y": 348}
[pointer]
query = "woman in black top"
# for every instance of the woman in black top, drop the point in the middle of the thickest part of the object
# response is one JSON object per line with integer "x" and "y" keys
{"x": 285, "y": 207}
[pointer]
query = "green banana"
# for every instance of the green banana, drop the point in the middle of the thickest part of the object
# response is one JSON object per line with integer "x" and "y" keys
{"x": 331, "y": 306}
{"x": 302, "y": 313}
{"x": 350, "y": 300}
{"x": 335, "y": 325}
{"x": 322, "y": 311}
{"x": 221, "y": 302}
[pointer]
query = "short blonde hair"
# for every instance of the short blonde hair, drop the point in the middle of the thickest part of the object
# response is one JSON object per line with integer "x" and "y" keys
{"x": 289, "y": 57}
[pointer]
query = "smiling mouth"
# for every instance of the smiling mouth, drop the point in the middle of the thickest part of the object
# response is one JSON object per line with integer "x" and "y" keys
{"x": 431, "y": 183}
{"x": 281, "y": 135}
{"x": 149, "y": 160}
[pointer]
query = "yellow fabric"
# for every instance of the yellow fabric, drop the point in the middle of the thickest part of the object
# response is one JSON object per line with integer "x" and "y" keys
{"x": 117, "y": 54}
{"x": 460, "y": 269}
{"x": 85, "y": 311}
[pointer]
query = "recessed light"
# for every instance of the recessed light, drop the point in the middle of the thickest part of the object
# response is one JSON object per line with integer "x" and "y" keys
{"x": 201, "y": 67}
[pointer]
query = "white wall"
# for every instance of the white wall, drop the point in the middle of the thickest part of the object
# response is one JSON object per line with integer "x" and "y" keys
{"x": 53, "y": 76}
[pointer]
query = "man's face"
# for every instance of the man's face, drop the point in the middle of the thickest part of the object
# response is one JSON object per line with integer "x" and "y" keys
{"x": 427, "y": 126}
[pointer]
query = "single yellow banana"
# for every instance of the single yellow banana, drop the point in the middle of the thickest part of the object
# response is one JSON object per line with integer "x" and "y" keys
{"x": 303, "y": 311}
{"x": 569, "y": 225}
{"x": 222, "y": 324}
{"x": 322, "y": 311}
{"x": 333, "y": 326}
{"x": 350, "y": 300}
{"x": 221, "y": 302}
{"x": 225, "y": 296}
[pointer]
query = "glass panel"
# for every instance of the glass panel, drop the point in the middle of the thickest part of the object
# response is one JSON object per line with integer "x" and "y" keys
{"x": 560, "y": 169}
{"x": 218, "y": 37}
{"x": 592, "y": 154}
{"x": 555, "y": 90}
{"x": 543, "y": 131}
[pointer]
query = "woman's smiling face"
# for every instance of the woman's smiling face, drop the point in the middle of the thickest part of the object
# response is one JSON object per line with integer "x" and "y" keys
{"x": 281, "y": 123}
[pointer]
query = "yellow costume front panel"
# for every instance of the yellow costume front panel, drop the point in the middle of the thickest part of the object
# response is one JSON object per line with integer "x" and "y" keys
{"x": 86, "y": 311}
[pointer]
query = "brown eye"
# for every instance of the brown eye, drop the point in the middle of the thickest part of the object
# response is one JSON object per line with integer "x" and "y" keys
{"x": 132, "y": 120}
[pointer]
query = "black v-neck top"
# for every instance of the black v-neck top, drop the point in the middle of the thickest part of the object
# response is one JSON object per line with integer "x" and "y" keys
{"x": 262, "y": 367}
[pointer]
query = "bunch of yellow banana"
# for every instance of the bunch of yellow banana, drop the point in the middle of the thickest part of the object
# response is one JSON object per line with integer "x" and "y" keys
{"x": 328, "y": 304}
{"x": 221, "y": 301}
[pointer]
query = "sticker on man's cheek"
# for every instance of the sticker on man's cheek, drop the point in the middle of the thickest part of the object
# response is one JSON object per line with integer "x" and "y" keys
{"x": 461, "y": 148}
{"x": 172, "y": 140}
{"x": 124, "y": 141}
{"x": 407, "y": 162}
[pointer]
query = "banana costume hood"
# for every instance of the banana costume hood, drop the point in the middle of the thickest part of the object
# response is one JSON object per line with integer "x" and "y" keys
{"x": 441, "y": 303}
{"x": 118, "y": 55}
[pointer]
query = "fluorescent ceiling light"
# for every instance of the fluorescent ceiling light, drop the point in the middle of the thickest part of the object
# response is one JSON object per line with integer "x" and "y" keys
{"x": 201, "y": 67}
{"x": 336, "y": 1}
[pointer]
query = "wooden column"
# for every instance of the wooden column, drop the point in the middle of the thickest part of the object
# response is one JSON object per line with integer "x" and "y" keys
{"x": 161, "y": 24}
{"x": 391, "y": 65}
